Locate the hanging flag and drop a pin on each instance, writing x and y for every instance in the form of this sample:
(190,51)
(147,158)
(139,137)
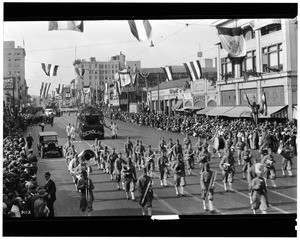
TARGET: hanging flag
(141,29)
(264,107)
(80,72)
(58,89)
(86,89)
(124,76)
(41,90)
(134,75)
(233,41)
(193,69)
(66,25)
(50,69)
(44,91)
(168,72)
(118,87)
(48,90)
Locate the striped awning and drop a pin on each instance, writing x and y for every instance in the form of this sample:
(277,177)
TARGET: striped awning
(277,112)
(203,111)
(219,111)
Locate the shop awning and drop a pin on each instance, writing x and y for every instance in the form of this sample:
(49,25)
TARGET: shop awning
(203,111)
(219,111)
(276,112)
(239,111)
(178,105)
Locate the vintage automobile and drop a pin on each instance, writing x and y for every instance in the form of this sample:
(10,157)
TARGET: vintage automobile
(48,144)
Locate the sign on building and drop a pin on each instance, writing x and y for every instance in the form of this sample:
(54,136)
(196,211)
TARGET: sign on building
(8,83)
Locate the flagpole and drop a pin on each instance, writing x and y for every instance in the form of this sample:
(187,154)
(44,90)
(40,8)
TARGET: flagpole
(158,99)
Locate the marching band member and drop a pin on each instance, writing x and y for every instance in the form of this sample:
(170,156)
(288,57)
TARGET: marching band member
(240,145)
(198,146)
(189,157)
(111,162)
(270,172)
(203,158)
(178,168)
(128,146)
(163,164)
(287,153)
(246,160)
(118,165)
(259,190)
(86,186)
(169,148)
(72,133)
(207,187)
(135,147)
(114,130)
(68,131)
(103,159)
(144,186)
(140,150)
(129,176)
(72,165)
(162,143)
(150,165)
(227,167)
(177,149)
(187,141)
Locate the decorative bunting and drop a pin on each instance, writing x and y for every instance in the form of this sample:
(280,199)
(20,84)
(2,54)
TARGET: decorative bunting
(193,69)
(50,70)
(168,72)
(141,29)
(66,25)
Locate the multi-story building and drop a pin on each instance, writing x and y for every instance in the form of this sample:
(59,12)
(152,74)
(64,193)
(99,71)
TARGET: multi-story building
(271,46)
(97,73)
(15,84)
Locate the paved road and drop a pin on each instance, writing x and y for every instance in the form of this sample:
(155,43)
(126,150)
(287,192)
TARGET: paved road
(111,202)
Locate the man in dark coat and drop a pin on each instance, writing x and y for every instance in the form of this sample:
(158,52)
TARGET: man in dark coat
(32,158)
(144,187)
(51,193)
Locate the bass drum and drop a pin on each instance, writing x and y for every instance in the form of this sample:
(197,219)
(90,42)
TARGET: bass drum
(219,143)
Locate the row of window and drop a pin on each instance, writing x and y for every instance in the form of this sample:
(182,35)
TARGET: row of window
(9,60)
(101,66)
(15,72)
(272,60)
(103,72)
(250,34)
(15,53)
(96,77)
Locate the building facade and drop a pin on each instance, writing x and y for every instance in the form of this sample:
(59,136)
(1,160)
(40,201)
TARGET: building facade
(271,46)
(15,84)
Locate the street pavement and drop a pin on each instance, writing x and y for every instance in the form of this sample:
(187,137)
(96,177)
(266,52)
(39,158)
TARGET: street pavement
(112,202)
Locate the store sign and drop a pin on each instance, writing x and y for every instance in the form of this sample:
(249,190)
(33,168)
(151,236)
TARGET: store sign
(115,102)
(123,102)
(8,83)
(187,96)
(133,108)
(199,86)
(174,91)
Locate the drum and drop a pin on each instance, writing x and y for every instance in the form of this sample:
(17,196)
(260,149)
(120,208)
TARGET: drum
(219,143)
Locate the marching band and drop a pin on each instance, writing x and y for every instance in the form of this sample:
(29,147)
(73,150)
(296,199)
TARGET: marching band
(174,159)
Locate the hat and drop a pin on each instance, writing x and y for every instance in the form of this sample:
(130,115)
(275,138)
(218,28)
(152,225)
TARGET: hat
(42,193)
(47,174)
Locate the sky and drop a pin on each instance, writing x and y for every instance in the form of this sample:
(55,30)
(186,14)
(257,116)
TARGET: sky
(175,42)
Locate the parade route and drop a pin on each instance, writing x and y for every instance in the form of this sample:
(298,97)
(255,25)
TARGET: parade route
(112,202)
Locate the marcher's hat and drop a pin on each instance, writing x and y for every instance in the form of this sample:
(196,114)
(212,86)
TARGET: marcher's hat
(42,193)
(47,174)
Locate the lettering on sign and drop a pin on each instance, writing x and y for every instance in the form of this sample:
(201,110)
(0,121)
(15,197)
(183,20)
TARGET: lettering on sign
(8,83)
(173,91)
(91,132)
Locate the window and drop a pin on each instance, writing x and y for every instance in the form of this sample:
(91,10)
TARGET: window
(272,58)
(226,66)
(96,71)
(112,71)
(90,77)
(249,62)
(90,66)
(96,66)
(249,33)
(105,66)
(270,29)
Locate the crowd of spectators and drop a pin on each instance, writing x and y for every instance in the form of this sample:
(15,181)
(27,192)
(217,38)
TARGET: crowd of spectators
(207,127)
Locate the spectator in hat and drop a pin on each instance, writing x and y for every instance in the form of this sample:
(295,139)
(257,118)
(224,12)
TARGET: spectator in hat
(29,140)
(16,208)
(40,205)
(31,157)
(50,188)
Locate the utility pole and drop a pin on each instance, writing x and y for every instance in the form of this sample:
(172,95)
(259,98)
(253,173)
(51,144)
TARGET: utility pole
(128,98)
